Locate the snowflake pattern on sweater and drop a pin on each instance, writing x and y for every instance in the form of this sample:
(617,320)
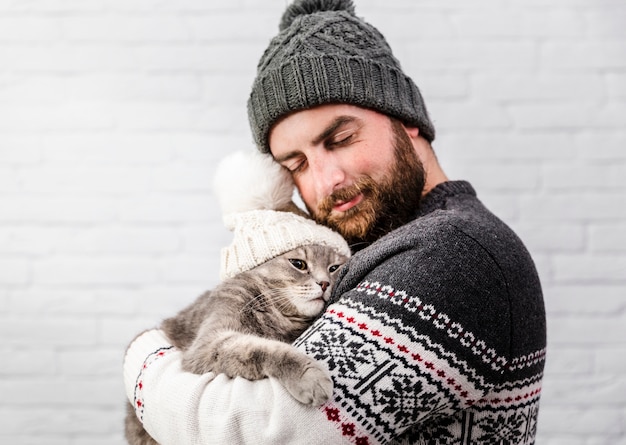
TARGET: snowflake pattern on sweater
(413,385)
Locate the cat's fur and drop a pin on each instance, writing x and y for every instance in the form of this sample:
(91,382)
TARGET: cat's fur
(244,326)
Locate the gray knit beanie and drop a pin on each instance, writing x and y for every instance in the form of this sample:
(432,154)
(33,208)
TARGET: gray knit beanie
(325,54)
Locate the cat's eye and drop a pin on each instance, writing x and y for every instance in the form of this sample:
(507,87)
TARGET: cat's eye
(333,268)
(298,264)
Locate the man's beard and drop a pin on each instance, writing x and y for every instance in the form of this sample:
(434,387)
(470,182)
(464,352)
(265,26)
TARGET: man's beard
(386,205)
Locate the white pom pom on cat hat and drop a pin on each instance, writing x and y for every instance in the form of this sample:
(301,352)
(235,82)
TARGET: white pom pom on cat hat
(250,187)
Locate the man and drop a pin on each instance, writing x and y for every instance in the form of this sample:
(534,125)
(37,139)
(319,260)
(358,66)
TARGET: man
(436,329)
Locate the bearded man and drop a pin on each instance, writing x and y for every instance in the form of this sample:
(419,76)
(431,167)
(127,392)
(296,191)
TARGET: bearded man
(435,333)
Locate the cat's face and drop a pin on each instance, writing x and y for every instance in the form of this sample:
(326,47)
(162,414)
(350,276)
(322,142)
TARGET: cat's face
(307,275)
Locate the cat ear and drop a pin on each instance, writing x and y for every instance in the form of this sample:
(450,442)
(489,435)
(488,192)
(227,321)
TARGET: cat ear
(249,180)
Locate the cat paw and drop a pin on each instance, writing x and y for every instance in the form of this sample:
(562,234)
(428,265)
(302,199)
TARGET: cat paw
(314,387)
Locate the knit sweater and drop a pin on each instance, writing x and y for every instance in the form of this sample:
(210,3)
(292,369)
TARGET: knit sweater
(435,334)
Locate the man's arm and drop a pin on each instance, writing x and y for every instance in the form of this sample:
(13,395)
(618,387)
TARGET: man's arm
(400,344)
(179,407)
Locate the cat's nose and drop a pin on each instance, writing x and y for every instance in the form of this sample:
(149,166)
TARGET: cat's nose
(324,285)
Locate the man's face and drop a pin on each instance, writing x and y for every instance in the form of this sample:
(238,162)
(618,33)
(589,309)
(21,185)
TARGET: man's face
(356,170)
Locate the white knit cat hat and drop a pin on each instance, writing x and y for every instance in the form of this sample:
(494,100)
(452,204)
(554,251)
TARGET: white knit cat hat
(250,188)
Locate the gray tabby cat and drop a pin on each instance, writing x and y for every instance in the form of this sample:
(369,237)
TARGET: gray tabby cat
(244,326)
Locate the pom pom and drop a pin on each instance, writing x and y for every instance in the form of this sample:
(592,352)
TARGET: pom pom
(249,180)
(305,7)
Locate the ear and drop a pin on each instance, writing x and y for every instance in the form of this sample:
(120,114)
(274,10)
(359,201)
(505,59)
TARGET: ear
(413,132)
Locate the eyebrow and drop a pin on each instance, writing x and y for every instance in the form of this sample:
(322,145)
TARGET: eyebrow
(334,125)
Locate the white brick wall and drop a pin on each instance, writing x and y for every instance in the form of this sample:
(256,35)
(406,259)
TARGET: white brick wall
(113,114)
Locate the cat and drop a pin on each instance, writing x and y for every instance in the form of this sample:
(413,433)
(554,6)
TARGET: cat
(244,326)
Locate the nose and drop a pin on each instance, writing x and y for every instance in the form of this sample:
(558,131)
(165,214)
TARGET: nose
(324,285)
(327,174)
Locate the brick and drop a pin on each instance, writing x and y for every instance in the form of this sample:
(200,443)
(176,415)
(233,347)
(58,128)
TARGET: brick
(241,57)
(90,362)
(480,25)
(475,55)
(71,302)
(607,23)
(86,116)
(56,6)
(70,180)
(552,116)
(609,359)
(566,420)
(56,209)
(181,6)
(102,439)
(500,176)
(616,85)
(586,268)
(14,272)
(613,115)
(543,88)
(208,147)
(122,87)
(572,4)
(167,209)
(440,85)
(603,145)
(44,332)
(501,145)
(398,26)
(552,22)
(29,29)
(573,207)
(66,58)
(69,421)
(108,148)
(126,29)
(8,180)
(569,361)
(607,391)
(551,237)
(584,177)
(26,239)
(34,90)
(20,149)
(607,238)
(152,304)
(191,269)
(583,55)
(215,27)
(119,332)
(27,362)
(226,89)
(469,116)
(206,239)
(589,300)
(190,178)
(89,271)
(584,330)
(124,240)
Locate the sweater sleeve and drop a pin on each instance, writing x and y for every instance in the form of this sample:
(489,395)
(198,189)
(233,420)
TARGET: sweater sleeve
(178,407)
(407,342)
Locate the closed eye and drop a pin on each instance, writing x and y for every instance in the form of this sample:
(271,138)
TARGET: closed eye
(298,264)
(295,165)
(341,139)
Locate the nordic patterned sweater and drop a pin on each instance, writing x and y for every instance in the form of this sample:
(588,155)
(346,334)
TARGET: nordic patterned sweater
(435,335)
